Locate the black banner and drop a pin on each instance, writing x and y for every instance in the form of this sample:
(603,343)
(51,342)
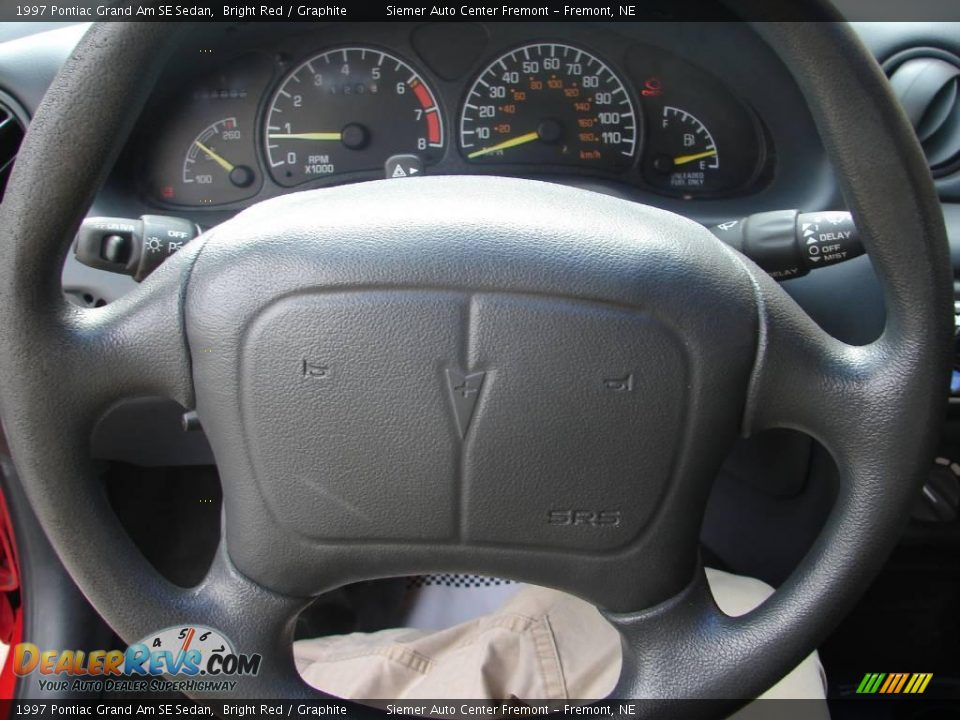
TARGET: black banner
(853,707)
(871,707)
(325,10)
(494,10)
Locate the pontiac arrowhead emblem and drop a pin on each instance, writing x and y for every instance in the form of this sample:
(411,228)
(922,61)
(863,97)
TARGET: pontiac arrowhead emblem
(464,392)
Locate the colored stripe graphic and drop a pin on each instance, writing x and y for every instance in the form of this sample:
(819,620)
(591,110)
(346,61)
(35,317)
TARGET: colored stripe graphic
(891,680)
(894,683)
(903,679)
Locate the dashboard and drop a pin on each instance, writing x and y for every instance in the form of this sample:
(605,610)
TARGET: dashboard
(697,118)
(404,99)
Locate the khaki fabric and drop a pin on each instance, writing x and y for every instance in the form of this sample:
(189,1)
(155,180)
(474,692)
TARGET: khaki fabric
(541,644)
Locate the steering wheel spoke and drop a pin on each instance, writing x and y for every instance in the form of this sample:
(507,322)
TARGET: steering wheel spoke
(133,347)
(806,380)
(685,629)
(257,621)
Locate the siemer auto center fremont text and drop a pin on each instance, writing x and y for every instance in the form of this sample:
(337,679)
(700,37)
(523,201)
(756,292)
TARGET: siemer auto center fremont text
(509,11)
(240,12)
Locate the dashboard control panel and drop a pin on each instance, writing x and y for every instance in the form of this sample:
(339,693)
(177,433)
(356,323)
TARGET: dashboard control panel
(316,110)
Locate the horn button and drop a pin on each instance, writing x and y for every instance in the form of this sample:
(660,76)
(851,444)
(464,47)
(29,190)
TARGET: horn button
(466,378)
(457,417)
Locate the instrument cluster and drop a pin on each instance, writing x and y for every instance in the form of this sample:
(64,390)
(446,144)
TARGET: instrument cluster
(448,99)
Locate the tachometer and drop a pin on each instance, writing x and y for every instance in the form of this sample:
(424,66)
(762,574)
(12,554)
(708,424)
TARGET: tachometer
(349,110)
(549,104)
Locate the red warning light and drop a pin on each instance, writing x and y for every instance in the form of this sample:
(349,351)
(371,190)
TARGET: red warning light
(167,192)
(652,87)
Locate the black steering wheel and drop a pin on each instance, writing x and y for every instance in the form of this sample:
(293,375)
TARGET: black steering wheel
(475,374)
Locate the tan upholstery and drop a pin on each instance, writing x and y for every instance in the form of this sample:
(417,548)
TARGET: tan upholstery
(541,644)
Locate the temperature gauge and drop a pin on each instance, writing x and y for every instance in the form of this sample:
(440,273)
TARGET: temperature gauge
(196,147)
(215,166)
(214,163)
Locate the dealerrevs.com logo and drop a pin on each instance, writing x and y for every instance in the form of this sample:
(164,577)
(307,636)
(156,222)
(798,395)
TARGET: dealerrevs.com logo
(200,658)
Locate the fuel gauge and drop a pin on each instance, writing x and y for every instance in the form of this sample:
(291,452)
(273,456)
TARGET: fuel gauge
(686,157)
(702,149)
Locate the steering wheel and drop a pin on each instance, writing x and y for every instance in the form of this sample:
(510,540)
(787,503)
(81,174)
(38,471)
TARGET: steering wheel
(475,374)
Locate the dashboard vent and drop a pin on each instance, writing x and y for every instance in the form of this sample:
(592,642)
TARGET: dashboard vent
(12,129)
(927,83)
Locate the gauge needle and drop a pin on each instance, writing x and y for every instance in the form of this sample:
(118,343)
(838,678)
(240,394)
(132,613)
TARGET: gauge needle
(222,162)
(306,136)
(684,159)
(512,142)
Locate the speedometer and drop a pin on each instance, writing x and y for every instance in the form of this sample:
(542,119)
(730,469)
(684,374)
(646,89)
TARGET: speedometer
(349,110)
(549,104)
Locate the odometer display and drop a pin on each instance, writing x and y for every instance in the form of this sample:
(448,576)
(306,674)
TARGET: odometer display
(349,110)
(549,104)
